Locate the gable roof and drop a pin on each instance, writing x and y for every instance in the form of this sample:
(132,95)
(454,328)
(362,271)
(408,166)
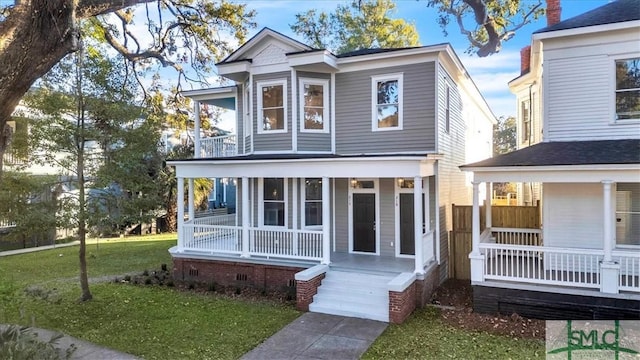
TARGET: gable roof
(234,56)
(595,152)
(613,12)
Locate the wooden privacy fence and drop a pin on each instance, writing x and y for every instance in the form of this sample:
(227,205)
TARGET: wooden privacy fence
(520,217)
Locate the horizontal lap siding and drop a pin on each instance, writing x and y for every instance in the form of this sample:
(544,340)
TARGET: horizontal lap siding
(240,119)
(387,218)
(354,106)
(313,141)
(342,215)
(573,215)
(579,87)
(265,141)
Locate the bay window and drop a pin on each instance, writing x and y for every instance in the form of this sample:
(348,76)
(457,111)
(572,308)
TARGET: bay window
(272,106)
(314,99)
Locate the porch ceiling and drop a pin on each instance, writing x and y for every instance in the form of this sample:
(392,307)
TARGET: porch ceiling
(310,166)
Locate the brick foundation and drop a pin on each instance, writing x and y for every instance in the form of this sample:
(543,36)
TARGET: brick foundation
(426,287)
(305,290)
(231,273)
(402,304)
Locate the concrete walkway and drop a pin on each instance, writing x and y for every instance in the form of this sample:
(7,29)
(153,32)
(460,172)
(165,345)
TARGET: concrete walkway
(84,350)
(320,336)
(37,248)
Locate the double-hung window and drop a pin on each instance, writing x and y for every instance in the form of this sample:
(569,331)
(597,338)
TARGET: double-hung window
(525,112)
(314,100)
(386,93)
(274,202)
(628,89)
(272,106)
(312,202)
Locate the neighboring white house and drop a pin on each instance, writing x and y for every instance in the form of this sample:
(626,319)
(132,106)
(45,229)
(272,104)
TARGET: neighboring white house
(585,262)
(346,169)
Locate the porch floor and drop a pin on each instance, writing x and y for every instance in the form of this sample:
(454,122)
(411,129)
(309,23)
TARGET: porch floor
(371,263)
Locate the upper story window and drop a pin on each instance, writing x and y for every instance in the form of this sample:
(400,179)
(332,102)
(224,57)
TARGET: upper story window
(272,106)
(628,89)
(525,112)
(387,102)
(314,105)
(274,196)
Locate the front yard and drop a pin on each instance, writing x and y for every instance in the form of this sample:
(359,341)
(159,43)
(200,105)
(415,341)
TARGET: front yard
(40,289)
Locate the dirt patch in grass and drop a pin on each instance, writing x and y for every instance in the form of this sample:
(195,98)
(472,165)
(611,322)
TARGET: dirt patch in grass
(455,298)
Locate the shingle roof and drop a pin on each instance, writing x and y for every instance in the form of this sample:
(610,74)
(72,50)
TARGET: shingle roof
(372,51)
(613,12)
(597,152)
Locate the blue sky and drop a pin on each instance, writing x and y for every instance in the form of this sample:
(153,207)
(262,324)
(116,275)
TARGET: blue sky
(491,74)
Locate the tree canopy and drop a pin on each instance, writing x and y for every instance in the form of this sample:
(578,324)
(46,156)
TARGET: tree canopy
(359,25)
(187,35)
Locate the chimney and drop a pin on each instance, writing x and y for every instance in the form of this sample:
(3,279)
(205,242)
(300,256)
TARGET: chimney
(554,12)
(525,59)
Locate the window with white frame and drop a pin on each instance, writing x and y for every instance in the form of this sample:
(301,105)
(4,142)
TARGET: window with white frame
(628,89)
(312,202)
(274,202)
(272,106)
(314,105)
(525,112)
(627,214)
(387,102)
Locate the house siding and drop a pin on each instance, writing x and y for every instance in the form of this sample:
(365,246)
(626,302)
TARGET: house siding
(342,214)
(452,183)
(271,142)
(320,142)
(387,210)
(573,214)
(579,85)
(353,112)
(240,143)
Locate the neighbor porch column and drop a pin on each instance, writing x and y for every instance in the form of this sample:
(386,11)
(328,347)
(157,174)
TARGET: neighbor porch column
(196,130)
(475,257)
(326,222)
(609,270)
(192,205)
(180,215)
(487,206)
(417,224)
(245,217)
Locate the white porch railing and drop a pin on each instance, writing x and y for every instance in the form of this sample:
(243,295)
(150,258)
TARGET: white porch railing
(226,220)
(286,243)
(629,269)
(219,146)
(427,246)
(5,224)
(511,236)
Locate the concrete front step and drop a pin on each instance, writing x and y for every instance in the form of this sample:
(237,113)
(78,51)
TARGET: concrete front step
(353,294)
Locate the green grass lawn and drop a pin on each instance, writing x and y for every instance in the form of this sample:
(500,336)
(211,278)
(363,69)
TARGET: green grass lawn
(152,322)
(425,336)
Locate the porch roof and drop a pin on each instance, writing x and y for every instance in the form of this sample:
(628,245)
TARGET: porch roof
(567,161)
(309,165)
(596,152)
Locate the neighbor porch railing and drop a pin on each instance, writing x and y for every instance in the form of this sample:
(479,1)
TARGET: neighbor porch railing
(518,255)
(219,146)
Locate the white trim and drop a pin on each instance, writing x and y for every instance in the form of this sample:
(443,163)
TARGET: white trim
(294,112)
(325,104)
(303,199)
(374,100)
(261,204)
(587,30)
(561,175)
(614,89)
(436,209)
(376,192)
(397,191)
(333,114)
(265,32)
(333,211)
(294,203)
(260,124)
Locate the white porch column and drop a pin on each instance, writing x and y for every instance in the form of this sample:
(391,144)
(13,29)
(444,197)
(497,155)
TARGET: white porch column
(245,217)
(326,222)
(196,130)
(476,258)
(429,251)
(180,200)
(417,224)
(192,205)
(609,270)
(487,206)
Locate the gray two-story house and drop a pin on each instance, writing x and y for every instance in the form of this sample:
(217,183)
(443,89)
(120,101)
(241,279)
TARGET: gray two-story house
(346,167)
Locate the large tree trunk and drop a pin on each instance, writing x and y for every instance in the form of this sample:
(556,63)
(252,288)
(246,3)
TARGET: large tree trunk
(33,38)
